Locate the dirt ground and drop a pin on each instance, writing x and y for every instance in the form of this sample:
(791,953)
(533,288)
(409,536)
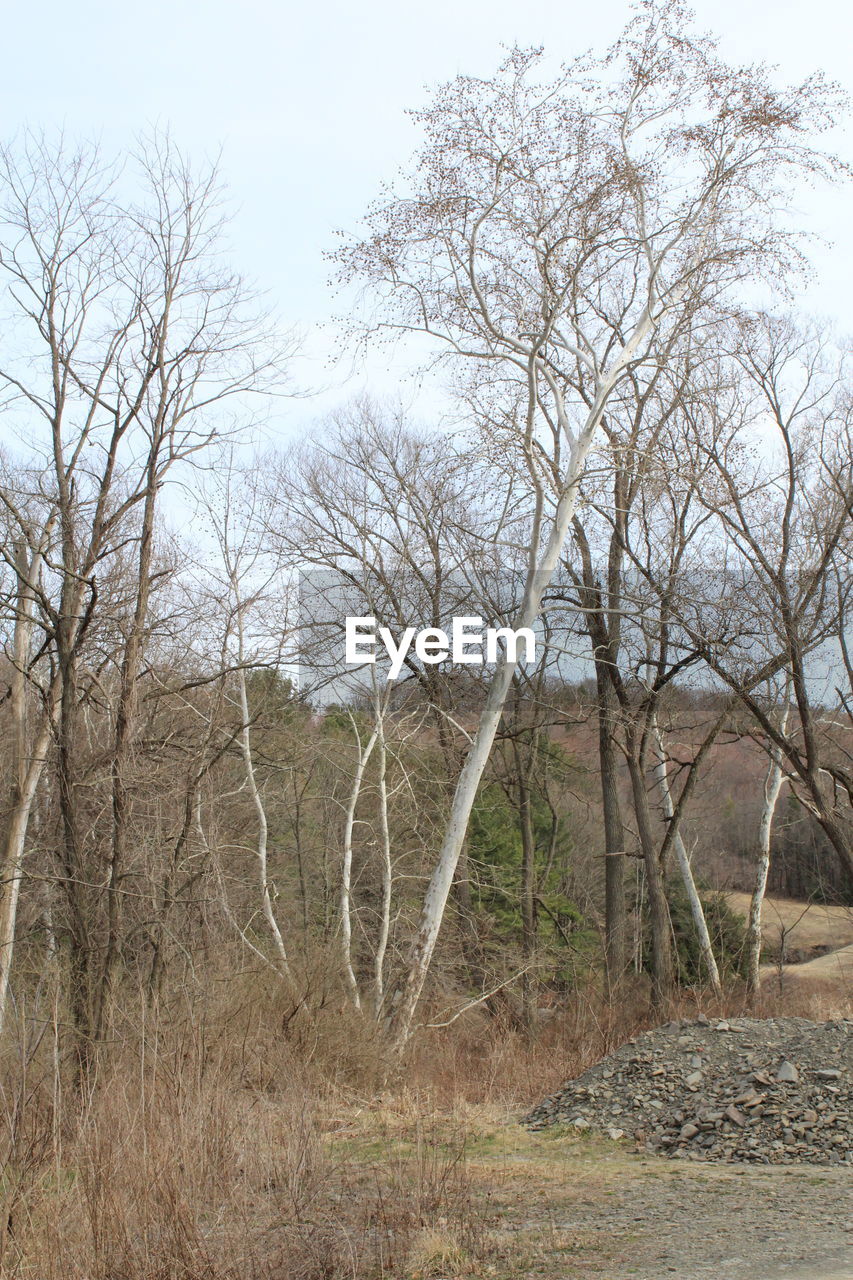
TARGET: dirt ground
(624,1216)
(565,1207)
(558,1205)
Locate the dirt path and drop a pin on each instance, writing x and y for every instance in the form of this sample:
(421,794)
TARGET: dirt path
(557,1205)
(582,1209)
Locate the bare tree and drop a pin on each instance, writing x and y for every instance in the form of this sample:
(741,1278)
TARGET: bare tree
(786,520)
(697,911)
(30,746)
(652,540)
(245,591)
(380,518)
(129,333)
(773,782)
(553,238)
(636,452)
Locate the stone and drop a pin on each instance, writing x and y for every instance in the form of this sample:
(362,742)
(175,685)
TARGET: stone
(752,1096)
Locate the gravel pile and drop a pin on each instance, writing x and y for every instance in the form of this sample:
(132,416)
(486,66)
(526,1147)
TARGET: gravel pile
(773,1091)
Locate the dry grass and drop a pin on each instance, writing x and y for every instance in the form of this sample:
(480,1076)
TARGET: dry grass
(248,1140)
(821,989)
(211,1151)
(816,944)
(807,927)
(484,1060)
(435,1251)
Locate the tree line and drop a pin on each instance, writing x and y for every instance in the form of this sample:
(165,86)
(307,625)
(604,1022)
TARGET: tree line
(648,469)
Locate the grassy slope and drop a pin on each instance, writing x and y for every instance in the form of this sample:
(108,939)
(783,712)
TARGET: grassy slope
(807,926)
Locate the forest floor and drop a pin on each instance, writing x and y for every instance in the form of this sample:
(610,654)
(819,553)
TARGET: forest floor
(220,1151)
(494,1200)
(561,1206)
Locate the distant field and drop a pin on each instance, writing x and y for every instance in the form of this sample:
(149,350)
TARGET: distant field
(827,983)
(818,944)
(836,966)
(812,928)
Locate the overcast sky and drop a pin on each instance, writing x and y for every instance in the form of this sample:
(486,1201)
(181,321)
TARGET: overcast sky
(308,103)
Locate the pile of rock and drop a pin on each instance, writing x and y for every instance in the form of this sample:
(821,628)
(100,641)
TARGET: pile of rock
(774,1091)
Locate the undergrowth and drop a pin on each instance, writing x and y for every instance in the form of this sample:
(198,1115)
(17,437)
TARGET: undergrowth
(238,1140)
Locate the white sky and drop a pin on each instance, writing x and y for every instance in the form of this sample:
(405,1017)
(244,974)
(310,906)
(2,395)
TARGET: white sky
(308,101)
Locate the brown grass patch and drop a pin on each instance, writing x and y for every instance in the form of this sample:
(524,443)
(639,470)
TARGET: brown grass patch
(807,927)
(248,1141)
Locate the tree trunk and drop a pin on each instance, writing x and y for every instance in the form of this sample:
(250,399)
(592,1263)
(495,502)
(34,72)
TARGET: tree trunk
(696,909)
(469,940)
(435,900)
(772,788)
(662,973)
(615,913)
(528,897)
(387,882)
(260,812)
(125,714)
(28,763)
(345,896)
(80,922)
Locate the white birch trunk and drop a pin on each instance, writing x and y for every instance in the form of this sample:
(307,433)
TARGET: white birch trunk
(385,853)
(257,801)
(696,910)
(29,763)
(13,858)
(772,788)
(223,894)
(435,900)
(345,899)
